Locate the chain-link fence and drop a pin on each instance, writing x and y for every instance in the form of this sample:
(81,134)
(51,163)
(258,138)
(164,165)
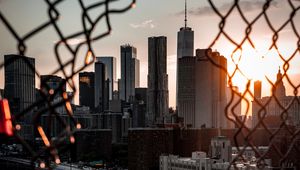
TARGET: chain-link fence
(283,137)
(277,115)
(48,95)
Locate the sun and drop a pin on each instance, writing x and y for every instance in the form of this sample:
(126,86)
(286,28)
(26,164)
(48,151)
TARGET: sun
(252,64)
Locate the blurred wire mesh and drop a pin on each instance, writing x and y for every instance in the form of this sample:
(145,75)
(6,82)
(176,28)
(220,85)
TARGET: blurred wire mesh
(283,138)
(48,95)
(286,134)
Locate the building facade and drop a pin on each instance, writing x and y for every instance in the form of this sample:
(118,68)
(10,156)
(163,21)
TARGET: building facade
(221,148)
(87,89)
(19,86)
(185,42)
(102,89)
(186,90)
(19,90)
(130,72)
(53,82)
(110,63)
(271,115)
(210,85)
(185,39)
(57,85)
(157,94)
(198,161)
(139,108)
(185,48)
(201,90)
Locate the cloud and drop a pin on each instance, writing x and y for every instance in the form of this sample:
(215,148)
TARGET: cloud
(246,6)
(144,24)
(74,41)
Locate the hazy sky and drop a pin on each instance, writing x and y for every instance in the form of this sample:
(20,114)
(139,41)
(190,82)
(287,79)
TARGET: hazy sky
(153,18)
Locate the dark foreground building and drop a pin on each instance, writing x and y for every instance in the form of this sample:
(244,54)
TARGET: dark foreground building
(87,89)
(145,145)
(92,145)
(157,93)
(19,82)
(20,89)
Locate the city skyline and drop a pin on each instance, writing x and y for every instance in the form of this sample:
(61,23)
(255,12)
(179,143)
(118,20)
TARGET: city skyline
(170,84)
(200,19)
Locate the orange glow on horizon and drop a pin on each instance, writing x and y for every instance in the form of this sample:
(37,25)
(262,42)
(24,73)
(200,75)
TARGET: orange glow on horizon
(259,63)
(253,64)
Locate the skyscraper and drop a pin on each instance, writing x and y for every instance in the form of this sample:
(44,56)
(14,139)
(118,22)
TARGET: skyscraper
(185,40)
(186,89)
(280,89)
(19,82)
(87,89)
(185,48)
(157,94)
(102,84)
(202,90)
(110,63)
(130,72)
(210,85)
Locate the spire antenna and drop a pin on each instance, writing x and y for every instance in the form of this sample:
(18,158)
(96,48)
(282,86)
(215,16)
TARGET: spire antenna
(185,16)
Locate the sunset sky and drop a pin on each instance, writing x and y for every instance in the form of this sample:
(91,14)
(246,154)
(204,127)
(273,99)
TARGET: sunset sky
(154,18)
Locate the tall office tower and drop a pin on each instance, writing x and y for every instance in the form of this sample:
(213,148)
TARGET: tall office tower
(130,72)
(257,89)
(157,94)
(87,89)
(185,48)
(102,85)
(19,83)
(210,85)
(110,63)
(185,40)
(186,90)
(19,89)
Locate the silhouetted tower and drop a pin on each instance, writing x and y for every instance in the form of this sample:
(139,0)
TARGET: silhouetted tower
(157,94)
(185,48)
(102,84)
(210,90)
(111,73)
(87,89)
(19,86)
(130,72)
(280,89)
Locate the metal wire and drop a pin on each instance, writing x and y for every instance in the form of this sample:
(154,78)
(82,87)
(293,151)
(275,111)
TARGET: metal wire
(290,134)
(47,97)
(284,132)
